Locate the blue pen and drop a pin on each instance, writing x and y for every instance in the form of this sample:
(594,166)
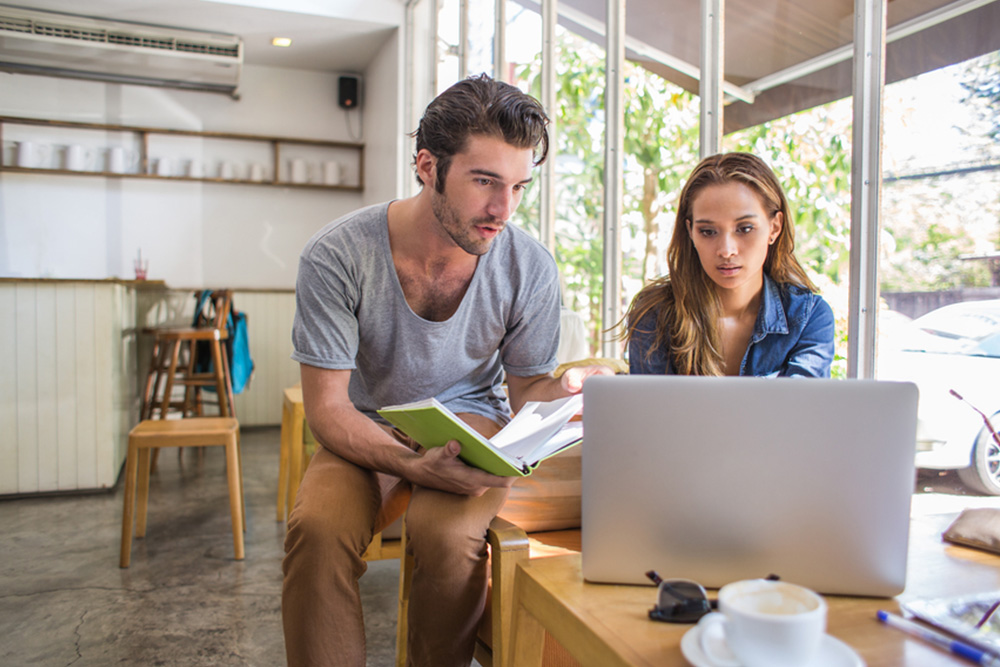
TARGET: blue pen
(943,641)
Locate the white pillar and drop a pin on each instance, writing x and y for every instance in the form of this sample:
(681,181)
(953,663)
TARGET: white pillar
(866,183)
(710,83)
(614,148)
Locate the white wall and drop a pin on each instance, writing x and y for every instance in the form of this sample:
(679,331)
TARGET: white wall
(193,234)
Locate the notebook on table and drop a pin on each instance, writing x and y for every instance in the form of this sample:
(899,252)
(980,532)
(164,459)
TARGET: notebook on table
(721,479)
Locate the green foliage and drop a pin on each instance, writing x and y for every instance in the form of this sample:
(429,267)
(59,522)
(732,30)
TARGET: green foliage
(810,151)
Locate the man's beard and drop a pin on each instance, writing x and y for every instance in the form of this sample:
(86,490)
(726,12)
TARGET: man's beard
(463,234)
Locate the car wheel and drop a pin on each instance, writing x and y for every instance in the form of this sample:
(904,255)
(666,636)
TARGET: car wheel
(984,473)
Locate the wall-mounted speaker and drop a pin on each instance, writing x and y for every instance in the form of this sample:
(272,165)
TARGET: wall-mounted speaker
(347,92)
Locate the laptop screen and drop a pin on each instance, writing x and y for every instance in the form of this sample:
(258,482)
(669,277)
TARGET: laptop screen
(721,479)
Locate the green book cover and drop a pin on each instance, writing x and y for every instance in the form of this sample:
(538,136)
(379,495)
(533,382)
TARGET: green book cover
(538,428)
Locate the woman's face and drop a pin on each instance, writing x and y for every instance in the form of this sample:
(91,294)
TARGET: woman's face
(731,232)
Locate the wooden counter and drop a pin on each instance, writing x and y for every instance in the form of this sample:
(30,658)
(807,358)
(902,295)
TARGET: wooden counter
(73,358)
(67,382)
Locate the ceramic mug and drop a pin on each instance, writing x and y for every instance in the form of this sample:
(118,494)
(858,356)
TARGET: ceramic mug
(765,624)
(195,169)
(76,157)
(163,167)
(116,160)
(227,170)
(298,171)
(31,155)
(257,172)
(331,173)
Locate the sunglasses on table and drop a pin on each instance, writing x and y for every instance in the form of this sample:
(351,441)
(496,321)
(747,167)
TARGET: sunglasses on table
(681,600)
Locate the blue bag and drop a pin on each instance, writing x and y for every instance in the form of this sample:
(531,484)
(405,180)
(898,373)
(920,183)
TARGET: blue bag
(237,347)
(240,363)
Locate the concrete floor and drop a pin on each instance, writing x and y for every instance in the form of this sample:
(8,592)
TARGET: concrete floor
(184,600)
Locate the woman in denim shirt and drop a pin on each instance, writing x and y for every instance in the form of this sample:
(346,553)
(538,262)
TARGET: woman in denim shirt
(736,302)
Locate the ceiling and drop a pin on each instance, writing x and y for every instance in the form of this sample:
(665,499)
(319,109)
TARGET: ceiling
(797,41)
(319,42)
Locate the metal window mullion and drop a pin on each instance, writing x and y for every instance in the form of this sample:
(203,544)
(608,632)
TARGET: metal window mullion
(866,184)
(614,146)
(463,39)
(710,84)
(500,41)
(433,33)
(547,199)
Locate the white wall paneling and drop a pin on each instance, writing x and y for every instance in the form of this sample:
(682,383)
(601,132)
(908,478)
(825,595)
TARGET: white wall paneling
(66,384)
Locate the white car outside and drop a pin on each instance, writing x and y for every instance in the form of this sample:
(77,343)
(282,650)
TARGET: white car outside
(952,349)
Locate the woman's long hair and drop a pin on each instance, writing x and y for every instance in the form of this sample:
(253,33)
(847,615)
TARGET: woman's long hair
(686,302)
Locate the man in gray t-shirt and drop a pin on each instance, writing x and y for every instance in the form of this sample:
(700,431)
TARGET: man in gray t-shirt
(435,295)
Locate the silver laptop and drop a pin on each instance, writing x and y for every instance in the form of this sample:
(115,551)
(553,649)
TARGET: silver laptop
(721,479)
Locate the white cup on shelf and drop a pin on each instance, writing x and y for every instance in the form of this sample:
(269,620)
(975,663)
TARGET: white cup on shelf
(31,155)
(331,173)
(77,158)
(195,169)
(164,167)
(121,160)
(256,172)
(116,160)
(227,170)
(298,170)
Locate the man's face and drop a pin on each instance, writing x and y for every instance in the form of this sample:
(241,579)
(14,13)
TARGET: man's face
(482,189)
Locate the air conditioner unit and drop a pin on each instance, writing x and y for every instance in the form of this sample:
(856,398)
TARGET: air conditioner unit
(54,44)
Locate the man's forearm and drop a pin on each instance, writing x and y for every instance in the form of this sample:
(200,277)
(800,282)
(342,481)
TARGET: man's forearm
(353,436)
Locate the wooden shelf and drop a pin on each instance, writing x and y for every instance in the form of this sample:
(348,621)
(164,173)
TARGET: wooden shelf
(278,148)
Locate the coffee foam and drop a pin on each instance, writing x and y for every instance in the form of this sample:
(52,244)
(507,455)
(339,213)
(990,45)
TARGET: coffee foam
(773,599)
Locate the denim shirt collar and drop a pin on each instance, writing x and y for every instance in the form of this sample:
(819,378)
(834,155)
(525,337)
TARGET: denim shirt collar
(771,317)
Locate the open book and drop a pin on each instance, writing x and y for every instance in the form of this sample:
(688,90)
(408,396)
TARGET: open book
(537,431)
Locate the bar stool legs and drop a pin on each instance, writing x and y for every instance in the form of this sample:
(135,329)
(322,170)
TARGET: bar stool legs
(197,432)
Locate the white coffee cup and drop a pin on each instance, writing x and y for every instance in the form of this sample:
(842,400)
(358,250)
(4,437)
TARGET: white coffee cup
(297,168)
(331,173)
(77,157)
(195,169)
(227,170)
(765,624)
(163,167)
(116,160)
(31,155)
(256,172)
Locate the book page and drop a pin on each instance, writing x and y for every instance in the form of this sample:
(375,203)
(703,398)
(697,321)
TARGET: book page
(531,453)
(536,422)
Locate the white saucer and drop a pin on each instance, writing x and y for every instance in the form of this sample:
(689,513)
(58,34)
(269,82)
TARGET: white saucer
(832,653)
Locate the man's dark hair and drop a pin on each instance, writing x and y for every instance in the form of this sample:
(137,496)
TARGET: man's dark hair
(480,105)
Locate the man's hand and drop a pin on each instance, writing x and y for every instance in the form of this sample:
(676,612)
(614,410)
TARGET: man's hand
(572,380)
(440,468)
(548,388)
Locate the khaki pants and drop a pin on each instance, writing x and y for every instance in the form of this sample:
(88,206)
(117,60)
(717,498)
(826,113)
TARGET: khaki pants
(339,507)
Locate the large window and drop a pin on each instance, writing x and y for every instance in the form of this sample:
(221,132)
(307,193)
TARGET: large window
(789,98)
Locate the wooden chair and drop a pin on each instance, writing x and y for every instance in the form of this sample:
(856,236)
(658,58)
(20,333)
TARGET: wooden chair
(509,545)
(297,446)
(198,432)
(177,354)
(293,456)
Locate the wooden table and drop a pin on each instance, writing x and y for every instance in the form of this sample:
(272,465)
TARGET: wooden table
(607,626)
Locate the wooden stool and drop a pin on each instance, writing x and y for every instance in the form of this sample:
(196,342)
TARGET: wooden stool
(175,359)
(196,432)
